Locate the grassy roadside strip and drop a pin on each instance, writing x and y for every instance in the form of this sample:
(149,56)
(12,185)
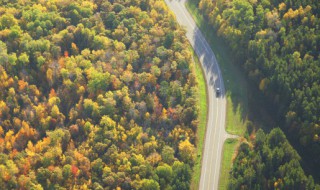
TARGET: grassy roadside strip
(202,121)
(228,151)
(236,92)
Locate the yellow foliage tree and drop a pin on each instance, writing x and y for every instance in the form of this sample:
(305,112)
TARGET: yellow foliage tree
(186,150)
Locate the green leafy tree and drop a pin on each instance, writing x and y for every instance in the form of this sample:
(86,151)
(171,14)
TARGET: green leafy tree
(149,184)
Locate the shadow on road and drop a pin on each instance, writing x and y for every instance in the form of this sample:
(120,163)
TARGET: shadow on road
(204,52)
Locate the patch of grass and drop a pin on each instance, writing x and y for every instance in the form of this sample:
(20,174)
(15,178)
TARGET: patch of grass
(229,148)
(203,122)
(234,122)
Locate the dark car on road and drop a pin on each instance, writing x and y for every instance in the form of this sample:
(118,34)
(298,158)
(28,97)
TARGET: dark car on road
(218,92)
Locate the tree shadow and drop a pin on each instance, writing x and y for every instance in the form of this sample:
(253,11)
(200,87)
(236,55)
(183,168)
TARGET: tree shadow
(208,61)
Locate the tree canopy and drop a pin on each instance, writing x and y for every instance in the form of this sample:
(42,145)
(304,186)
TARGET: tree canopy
(277,43)
(268,162)
(95,95)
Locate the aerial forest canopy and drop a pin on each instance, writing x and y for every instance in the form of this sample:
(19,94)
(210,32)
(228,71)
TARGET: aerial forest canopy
(278,43)
(269,162)
(95,95)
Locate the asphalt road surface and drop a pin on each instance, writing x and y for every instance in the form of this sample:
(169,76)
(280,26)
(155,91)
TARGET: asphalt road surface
(215,132)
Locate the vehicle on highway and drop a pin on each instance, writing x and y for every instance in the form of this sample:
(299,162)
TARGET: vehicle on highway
(218,92)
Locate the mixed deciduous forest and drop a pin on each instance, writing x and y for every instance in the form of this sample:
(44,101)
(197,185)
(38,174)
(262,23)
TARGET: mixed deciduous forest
(95,95)
(278,43)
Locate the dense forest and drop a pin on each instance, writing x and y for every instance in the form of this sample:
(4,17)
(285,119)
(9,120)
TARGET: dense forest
(95,95)
(277,43)
(268,162)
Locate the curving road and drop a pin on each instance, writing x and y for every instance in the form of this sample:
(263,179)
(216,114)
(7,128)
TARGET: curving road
(215,132)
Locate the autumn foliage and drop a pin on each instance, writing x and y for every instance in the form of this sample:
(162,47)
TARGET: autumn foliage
(95,95)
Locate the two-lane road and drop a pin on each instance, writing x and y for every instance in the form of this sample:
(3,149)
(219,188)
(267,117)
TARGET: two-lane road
(215,132)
